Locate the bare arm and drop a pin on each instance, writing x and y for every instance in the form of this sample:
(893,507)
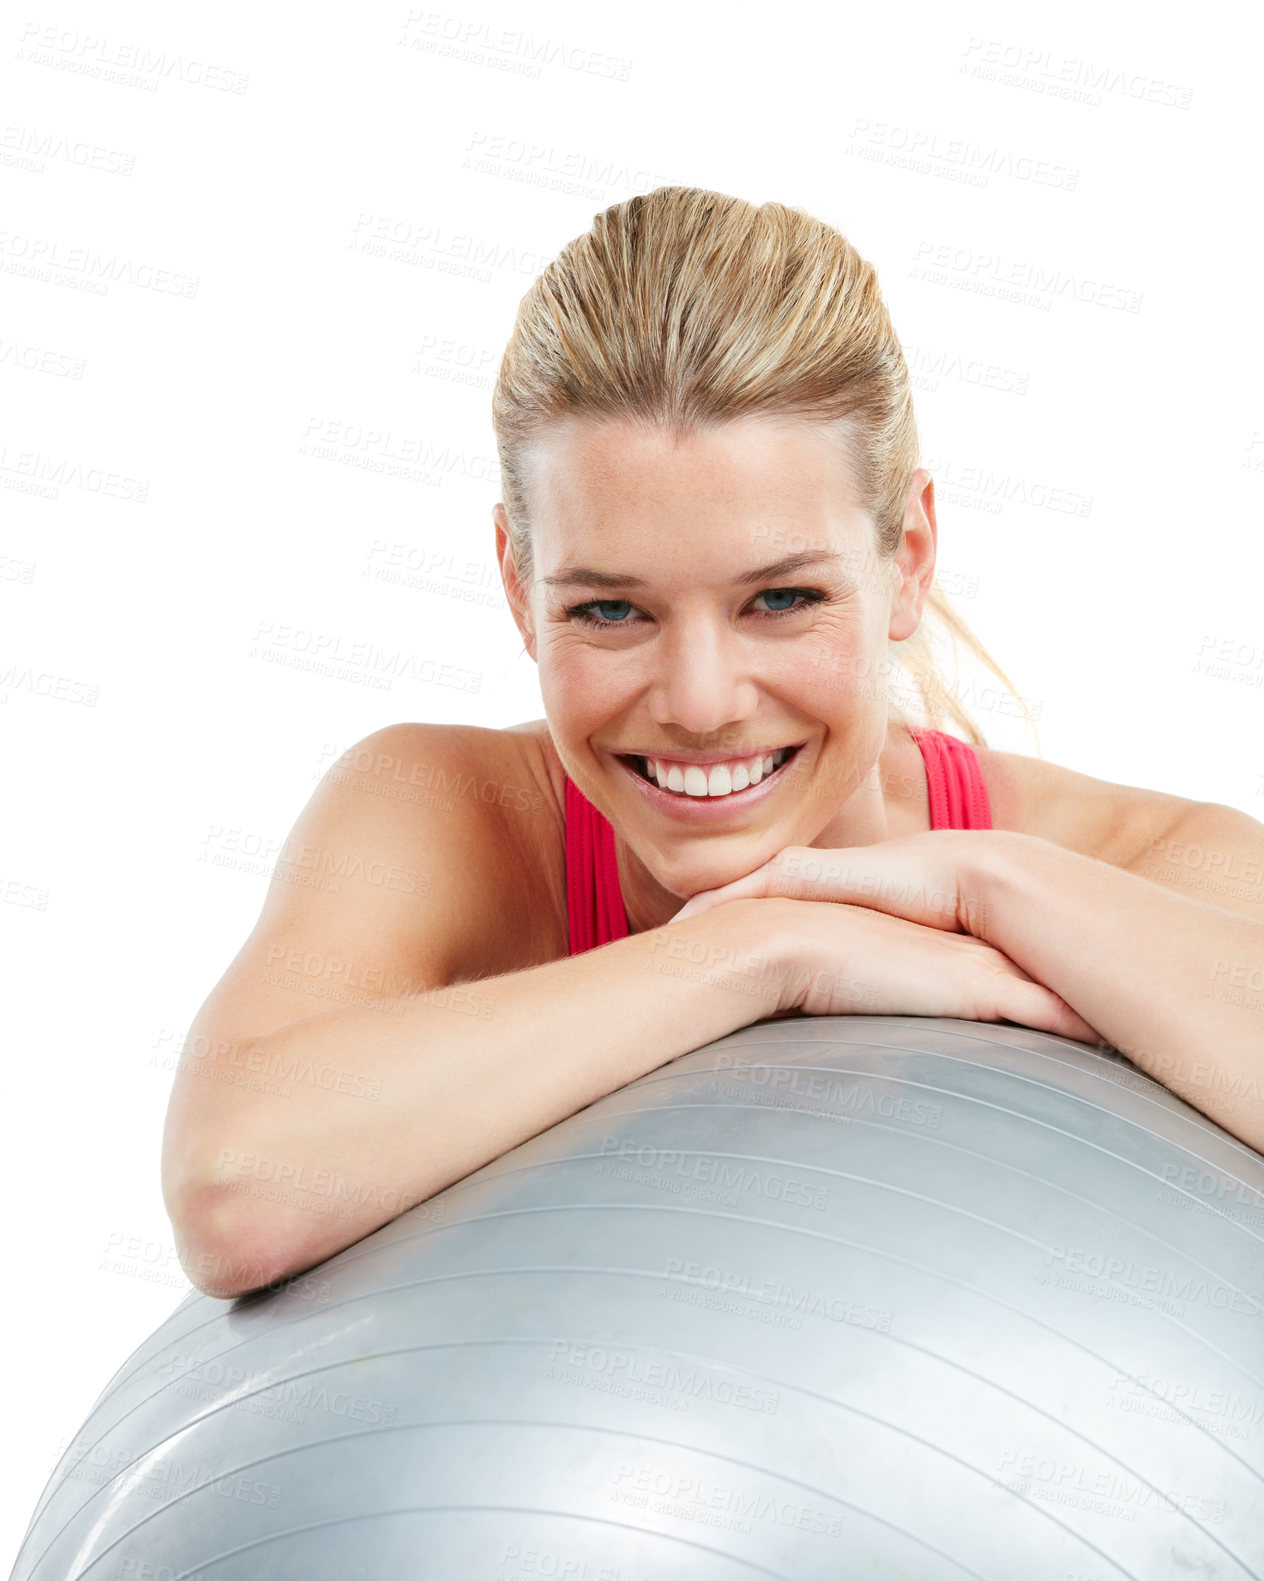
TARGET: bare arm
(1166,976)
(360,1113)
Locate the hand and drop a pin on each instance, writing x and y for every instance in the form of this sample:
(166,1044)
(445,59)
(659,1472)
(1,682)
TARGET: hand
(841,959)
(930,878)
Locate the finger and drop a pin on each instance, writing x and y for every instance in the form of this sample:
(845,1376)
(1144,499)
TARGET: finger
(1072,1025)
(758,885)
(1065,1021)
(1049,1012)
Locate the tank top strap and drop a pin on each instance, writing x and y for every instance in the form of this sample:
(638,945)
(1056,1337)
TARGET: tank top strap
(954,782)
(594,901)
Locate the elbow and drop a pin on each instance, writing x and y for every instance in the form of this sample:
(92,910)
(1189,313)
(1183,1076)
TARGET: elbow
(224,1251)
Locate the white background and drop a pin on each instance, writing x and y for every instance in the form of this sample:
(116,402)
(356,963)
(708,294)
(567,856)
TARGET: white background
(170,554)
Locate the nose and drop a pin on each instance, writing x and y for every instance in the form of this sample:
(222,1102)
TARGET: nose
(702,682)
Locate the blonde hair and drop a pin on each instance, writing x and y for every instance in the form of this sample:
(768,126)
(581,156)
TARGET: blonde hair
(684,308)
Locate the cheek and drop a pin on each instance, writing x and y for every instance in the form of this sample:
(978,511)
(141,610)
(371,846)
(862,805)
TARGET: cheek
(578,681)
(841,671)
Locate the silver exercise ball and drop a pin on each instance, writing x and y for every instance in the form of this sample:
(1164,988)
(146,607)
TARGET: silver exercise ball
(881,1296)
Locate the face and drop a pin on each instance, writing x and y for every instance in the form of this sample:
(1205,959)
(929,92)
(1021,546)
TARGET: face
(716,597)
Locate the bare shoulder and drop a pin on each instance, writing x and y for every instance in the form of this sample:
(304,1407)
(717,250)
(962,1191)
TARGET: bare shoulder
(420,860)
(499,790)
(1098,818)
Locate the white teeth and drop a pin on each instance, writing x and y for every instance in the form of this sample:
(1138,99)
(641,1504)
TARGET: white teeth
(691,779)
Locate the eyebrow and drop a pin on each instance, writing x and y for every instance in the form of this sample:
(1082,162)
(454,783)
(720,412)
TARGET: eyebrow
(580,575)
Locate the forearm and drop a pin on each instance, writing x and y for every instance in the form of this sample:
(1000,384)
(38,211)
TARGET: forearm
(1149,968)
(430,1088)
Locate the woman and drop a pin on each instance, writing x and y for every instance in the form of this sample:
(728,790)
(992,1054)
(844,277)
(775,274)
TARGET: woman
(715,534)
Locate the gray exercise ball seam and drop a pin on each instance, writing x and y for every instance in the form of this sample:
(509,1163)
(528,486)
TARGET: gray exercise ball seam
(985,1296)
(587,1427)
(969,1098)
(1164,1100)
(440,1509)
(425,1229)
(1141,1093)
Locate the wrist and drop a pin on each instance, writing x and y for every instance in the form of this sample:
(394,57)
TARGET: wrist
(989,874)
(764,933)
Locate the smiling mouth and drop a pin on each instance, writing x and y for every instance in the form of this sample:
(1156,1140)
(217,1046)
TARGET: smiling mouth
(640,766)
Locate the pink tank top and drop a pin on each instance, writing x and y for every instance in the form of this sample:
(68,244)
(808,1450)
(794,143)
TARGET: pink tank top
(594,901)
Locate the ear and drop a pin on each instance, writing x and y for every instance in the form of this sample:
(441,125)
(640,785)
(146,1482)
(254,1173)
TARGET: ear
(914,561)
(515,592)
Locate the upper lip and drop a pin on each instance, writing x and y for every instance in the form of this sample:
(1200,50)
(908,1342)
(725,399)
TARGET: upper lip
(707,758)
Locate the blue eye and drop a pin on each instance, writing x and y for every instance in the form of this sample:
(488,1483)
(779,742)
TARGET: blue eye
(779,592)
(582,612)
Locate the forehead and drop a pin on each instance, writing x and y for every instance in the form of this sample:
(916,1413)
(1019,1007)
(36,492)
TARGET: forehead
(620,487)
(575,457)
